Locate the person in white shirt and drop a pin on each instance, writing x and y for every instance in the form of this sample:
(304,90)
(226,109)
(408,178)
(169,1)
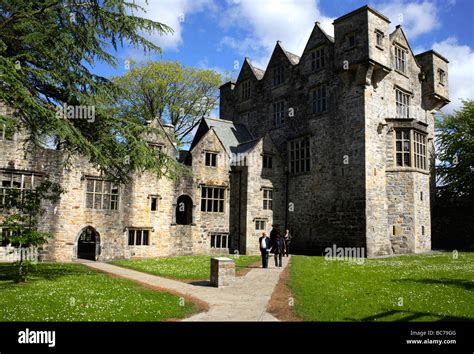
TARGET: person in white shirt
(265,246)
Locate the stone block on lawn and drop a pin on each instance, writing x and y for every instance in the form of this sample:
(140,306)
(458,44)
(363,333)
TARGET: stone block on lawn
(222,271)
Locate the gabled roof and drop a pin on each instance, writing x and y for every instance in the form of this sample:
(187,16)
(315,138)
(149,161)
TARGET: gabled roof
(317,28)
(258,73)
(155,123)
(330,38)
(229,133)
(399,29)
(292,58)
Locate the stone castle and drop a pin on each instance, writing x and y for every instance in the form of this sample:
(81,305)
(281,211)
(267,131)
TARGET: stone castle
(336,145)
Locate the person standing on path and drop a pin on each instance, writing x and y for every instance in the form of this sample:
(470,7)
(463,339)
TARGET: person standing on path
(279,249)
(273,234)
(265,246)
(288,238)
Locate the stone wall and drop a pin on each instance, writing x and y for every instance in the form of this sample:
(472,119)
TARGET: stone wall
(66,220)
(354,194)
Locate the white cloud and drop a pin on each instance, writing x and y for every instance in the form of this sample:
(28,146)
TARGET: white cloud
(203,63)
(416,18)
(266,21)
(172,13)
(460,72)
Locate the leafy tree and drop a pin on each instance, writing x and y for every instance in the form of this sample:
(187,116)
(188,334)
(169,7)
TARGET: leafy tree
(171,92)
(455,144)
(24,210)
(46,50)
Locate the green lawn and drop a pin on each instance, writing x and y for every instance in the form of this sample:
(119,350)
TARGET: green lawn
(184,267)
(406,288)
(72,292)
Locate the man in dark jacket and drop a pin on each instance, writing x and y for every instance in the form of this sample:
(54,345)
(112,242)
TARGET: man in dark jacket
(279,250)
(265,246)
(273,234)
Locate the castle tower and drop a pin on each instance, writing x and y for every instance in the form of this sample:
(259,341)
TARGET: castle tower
(358,146)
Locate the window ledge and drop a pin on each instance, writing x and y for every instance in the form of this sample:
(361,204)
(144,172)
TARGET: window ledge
(407,169)
(379,47)
(401,73)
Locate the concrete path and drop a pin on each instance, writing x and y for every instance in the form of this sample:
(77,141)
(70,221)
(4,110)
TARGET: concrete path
(245,300)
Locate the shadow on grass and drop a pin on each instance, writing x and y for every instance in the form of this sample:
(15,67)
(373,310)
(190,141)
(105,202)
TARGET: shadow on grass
(41,271)
(408,316)
(459,283)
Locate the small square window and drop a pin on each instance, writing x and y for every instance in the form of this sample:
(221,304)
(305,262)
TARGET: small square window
(267,161)
(211,159)
(260,225)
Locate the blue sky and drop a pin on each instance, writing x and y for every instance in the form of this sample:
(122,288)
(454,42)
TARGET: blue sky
(218,34)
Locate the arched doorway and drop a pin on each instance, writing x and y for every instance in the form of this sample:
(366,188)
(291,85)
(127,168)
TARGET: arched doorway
(88,244)
(184,210)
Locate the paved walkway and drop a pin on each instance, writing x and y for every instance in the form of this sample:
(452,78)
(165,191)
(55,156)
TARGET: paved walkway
(245,300)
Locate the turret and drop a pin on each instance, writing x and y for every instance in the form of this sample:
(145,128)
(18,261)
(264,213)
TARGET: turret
(226,105)
(361,42)
(434,85)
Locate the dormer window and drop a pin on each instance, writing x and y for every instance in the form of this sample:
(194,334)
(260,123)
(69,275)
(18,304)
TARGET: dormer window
(211,159)
(441,76)
(318,58)
(246,90)
(278,76)
(400,59)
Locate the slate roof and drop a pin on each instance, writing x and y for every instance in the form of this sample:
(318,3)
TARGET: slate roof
(229,133)
(330,38)
(293,58)
(246,146)
(257,72)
